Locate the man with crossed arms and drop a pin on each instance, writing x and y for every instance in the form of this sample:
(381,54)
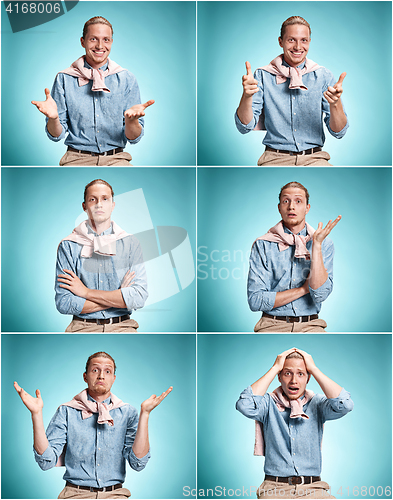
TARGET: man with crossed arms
(93,434)
(101,277)
(293,93)
(96,102)
(289,425)
(291,268)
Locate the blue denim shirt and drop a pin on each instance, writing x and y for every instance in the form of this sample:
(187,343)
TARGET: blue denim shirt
(293,445)
(293,118)
(102,272)
(272,271)
(95,121)
(96,454)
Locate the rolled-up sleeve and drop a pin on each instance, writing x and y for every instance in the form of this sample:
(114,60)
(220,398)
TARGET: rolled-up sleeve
(66,301)
(132,98)
(136,463)
(59,96)
(257,105)
(322,293)
(333,408)
(56,434)
(260,296)
(330,81)
(136,294)
(252,406)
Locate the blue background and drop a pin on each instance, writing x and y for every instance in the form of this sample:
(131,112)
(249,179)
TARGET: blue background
(153,40)
(238,205)
(356,450)
(346,36)
(145,365)
(39,208)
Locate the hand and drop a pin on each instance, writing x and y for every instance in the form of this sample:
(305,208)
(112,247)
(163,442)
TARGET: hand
(320,234)
(47,107)
(333,94)
(149,405)
(33,404)
(250,85)
(308,361)
(280,360)
(137,111)
(73,283)
(127,280)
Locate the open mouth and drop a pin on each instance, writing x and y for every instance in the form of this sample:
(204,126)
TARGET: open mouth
(293,391)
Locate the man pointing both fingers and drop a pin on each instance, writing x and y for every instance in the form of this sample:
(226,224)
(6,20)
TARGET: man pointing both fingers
(95,104)
(290,98)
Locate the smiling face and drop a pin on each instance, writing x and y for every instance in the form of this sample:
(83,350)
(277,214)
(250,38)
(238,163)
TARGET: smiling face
(293,208)
(97,44)
(295,43)
(294,378)
(99,206)
(99,377)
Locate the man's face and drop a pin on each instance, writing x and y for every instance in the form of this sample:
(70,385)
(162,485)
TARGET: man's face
(99,204)
(293,207)
(97,44)
(296,42)
(100,376)
(294,378)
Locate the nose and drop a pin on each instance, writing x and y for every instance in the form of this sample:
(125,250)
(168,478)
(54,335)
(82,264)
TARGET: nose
(101,374)
(291,205)
(298,45)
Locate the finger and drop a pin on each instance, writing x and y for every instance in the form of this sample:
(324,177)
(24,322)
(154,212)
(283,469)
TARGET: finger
(17,387)
(335,222)
(38,393)
(47,93)
(248,68)
(70,272)
(341,79)
(148,103)
(332,90)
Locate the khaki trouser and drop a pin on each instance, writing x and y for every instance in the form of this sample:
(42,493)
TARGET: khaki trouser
(271,489)
(80,159)
(70,492)
(317,159)
(127,326)
(276,325)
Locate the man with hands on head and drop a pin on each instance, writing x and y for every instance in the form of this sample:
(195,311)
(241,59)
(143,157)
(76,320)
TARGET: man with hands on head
(291,268)
(289,425)
(288,99)
(100,273)
(96,102)
(93,434)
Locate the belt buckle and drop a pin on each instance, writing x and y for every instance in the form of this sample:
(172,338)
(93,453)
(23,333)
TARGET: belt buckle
(293,477)
(105,153)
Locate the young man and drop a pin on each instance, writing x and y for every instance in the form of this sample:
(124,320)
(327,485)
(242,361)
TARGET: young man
(290,96)
(93,434)
(100,274)
(291,268)
(289,425)
(96,102)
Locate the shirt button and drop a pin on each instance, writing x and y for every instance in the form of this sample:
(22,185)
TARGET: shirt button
(99,433)
(99,448)
(293,113)
(98,131)
(101,281)
(293,98)
(295,130)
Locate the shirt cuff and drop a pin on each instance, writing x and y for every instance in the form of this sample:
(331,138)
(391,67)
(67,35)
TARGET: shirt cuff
(322,293)
(342,402)
(341,133)
(139,464)
(137,139)
(248,394)
(54,139)
(244,128)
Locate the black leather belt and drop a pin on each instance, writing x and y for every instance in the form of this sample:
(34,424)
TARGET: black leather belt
(109,321)
(106,153)
(292,319)
(295,153)
(90,488)
(293,479)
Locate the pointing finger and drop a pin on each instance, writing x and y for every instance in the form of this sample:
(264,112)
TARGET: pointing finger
(148,103)
(341,79)
(248,68)
(47,93)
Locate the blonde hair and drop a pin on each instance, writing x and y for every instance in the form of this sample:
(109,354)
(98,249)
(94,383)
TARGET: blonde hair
(291,21)
(294,184)
(95,20)
(100,354)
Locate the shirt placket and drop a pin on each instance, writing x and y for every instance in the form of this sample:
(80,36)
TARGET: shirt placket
(99,456)
(97,123)
(293,276)
(293,447)
(295,119)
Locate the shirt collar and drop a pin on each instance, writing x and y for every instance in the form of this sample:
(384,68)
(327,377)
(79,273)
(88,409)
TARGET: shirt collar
(303,232)
(106,232)
(284,63)
(107,400)
(103,68)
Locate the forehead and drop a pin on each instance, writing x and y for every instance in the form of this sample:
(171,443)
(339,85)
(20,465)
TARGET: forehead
(297,31)
(293,192)
(99,30)
(101,362)
(98,190)
(294,364)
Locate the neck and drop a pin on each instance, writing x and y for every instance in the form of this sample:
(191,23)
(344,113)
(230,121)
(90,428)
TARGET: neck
(93,64)
(289,63)
(296,229)
(98,397)
(100,227)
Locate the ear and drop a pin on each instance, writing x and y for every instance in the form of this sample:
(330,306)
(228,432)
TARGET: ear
(280,41)
(84,377)
(308,208)
(279,377)
(309,376)
(82,42)
(84,206)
